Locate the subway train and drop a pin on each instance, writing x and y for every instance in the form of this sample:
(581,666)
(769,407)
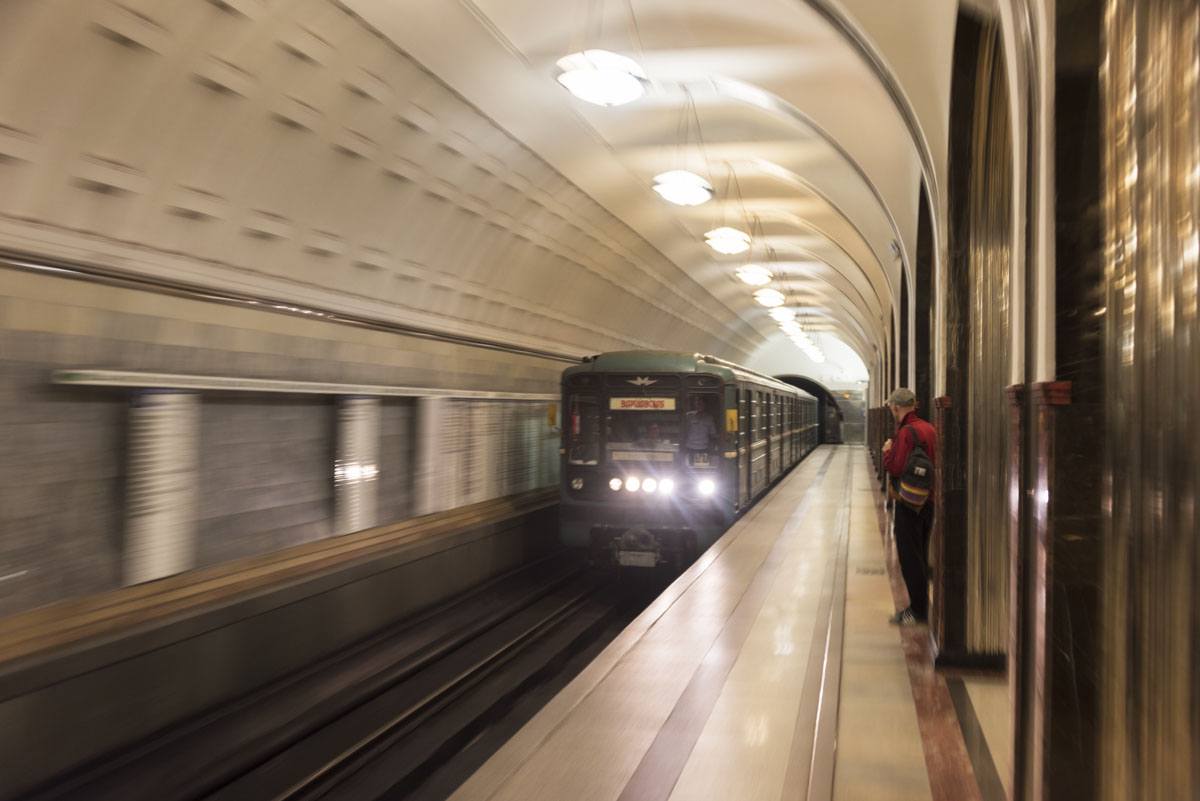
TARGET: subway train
(661,451)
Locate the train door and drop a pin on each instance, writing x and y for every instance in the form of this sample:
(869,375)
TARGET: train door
(743,446)
(758,461)
(772,433)
(777,438)
(792,404)
(789,428)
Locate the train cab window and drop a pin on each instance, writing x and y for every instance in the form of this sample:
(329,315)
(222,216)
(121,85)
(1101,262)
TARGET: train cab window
(583,431)
(644,430)
(702,435)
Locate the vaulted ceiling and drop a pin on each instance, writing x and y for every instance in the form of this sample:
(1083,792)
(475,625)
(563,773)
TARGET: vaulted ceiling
(828,148)
(417,161)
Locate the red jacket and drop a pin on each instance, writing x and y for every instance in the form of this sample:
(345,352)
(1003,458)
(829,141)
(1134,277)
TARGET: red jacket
(902,444)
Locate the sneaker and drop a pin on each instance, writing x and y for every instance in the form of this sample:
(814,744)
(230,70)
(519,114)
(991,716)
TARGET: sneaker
(906,617)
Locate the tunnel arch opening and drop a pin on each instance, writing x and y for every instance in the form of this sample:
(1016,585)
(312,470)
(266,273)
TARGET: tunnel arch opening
(830,414)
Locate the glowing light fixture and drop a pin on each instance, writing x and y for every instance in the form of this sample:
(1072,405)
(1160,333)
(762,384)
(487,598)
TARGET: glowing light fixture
(683,188)
(666,486)
(614,484)
(602,77)
(649,485)
(804,342)
(754,275)
(706,487)
(769,297)
(633,484)
(729,241)
(782,315)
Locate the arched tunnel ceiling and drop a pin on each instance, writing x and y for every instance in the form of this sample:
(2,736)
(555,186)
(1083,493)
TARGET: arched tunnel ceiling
(821,152)
(416,160)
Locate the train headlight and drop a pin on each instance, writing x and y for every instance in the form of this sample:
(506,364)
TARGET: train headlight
(577,483)
(649,485)
(632,484)
(614,484)
(706,487)
(666,486)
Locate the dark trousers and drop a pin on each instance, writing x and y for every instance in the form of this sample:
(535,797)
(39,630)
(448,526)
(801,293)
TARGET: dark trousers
(912,545)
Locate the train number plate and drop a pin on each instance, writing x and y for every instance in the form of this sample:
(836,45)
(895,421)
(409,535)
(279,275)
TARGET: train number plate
(637,558)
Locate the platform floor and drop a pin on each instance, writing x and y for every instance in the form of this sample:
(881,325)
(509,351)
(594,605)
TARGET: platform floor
(766,671)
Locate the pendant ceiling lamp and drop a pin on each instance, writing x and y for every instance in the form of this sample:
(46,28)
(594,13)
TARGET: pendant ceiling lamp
(683,188)
(754,275)
(729,241)
(804,342)
(769,297)
(602,77)
(757,274)
(726,239)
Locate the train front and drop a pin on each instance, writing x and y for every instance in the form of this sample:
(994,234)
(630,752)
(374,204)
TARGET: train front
(644,481)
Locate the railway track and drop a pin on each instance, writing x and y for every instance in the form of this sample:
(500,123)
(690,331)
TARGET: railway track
(406,713)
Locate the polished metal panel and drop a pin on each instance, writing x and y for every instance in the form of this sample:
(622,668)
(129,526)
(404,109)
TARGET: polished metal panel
(989,265)
(356,471)
(160,536)
(474,450)
(1150,681)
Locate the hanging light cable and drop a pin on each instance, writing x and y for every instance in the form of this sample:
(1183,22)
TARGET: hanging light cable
(725,239)
(682,186)
(754,273)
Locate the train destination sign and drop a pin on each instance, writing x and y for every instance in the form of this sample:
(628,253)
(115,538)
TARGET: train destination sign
(642,404)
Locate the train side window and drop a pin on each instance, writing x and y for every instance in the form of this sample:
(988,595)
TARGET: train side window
(753,401)
(583,430)
(743,412)
(758,416)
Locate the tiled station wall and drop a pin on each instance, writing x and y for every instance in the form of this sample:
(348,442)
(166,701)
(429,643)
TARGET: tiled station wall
(265,461)
(61,474)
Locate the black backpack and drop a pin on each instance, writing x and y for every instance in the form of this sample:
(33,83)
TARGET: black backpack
(916,481)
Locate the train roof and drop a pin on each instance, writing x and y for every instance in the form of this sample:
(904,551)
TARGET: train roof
(664,361)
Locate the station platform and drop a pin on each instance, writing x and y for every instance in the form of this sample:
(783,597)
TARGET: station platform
(768,670)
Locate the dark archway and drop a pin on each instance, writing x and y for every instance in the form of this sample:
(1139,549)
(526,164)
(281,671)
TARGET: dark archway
(829,412)
(923,319)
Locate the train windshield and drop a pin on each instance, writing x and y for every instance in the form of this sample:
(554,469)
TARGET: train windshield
(583,431)
(644,430)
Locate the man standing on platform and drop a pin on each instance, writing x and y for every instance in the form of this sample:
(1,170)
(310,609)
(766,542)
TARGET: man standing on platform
(910,482)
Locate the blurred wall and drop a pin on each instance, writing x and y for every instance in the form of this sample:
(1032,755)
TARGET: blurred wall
(265,471)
